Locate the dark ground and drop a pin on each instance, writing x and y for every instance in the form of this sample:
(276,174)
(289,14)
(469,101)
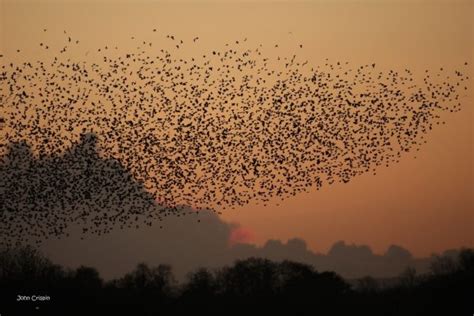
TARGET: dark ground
(246,287)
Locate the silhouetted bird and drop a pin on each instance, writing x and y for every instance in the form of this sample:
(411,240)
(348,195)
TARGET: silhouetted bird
(212,132)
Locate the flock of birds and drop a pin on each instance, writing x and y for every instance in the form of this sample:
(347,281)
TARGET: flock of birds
(132,137)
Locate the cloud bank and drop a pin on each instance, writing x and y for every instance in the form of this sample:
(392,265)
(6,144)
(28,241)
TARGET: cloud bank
(204,240)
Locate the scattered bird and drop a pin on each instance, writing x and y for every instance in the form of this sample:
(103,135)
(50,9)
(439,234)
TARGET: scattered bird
(131,137)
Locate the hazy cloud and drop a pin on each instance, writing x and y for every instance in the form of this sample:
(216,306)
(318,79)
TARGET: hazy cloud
(187,244)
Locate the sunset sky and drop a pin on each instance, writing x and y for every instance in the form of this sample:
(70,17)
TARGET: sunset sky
(425,203)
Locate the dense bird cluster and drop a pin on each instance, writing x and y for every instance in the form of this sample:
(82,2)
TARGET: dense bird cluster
(211,131)
(43,197)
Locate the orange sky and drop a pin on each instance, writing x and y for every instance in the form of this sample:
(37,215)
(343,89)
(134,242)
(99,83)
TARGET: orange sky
(424,204)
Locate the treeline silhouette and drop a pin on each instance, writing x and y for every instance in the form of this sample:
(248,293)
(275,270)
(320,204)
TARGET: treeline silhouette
(247,286)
